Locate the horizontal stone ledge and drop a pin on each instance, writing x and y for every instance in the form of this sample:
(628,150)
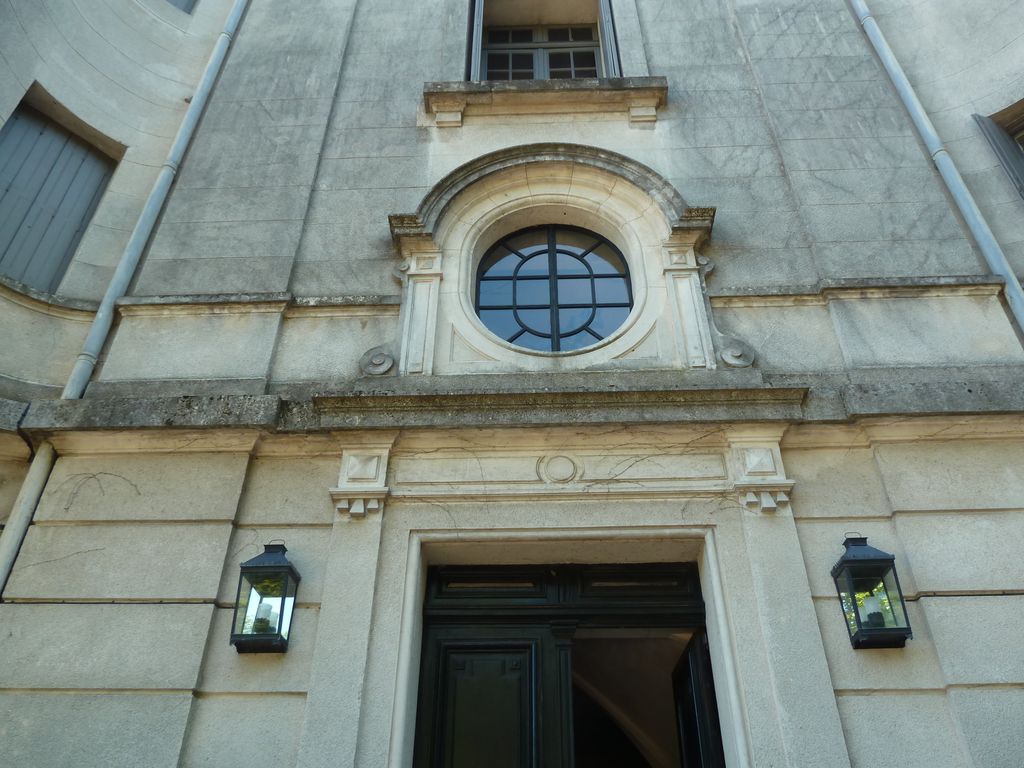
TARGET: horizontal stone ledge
(11,412)
(638,97)
(232,411)
(142,304)
(553,398)
(55,301)
(934,398)
(543,399)
(870,287)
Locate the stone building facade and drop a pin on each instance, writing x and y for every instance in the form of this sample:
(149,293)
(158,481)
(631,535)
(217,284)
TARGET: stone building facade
(816,341)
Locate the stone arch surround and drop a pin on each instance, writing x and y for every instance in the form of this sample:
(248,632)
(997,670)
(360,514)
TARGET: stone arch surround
(499,193)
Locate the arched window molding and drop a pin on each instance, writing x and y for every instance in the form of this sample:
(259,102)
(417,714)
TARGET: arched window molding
(670,325)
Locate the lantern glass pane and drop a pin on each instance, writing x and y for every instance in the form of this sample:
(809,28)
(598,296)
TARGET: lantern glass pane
(846,597)
(262,600)
(878,603)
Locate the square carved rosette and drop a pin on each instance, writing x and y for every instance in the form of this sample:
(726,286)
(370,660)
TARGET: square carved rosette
(362,481)
(760,478)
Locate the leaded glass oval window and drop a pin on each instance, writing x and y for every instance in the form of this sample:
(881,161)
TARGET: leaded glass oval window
(553,288)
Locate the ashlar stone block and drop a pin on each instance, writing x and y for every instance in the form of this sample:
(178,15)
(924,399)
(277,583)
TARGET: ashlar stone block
(111,562)
(914,667)
(144,487)
(60,730)
(835,482)
(925,331)
(292,490)
(102,646)
(907,730)
(989,720)
(226,670)
(978,637)
(963,552)
(953,475)
(244,730)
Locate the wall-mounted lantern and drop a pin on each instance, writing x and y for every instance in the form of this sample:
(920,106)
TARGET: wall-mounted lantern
(870,594)
(265,602)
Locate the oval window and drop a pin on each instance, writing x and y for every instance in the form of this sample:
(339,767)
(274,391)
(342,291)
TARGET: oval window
(553,289)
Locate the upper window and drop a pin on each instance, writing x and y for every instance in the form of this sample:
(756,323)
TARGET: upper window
(553,289)
(542,41)
(541,53)
(50,183)
(1005,133)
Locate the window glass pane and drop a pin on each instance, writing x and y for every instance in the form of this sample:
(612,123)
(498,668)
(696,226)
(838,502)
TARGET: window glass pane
(586,73)
(560,60)
(575,291)
(530,341)
(576,240)
(604,261)
(497,61)
(522,35)
(561,74)
(500,322)
(582,33)
(584,59)
(522,61)
(611,290)
(534,266)
(533,292)
(536,320)
(570,265)
(527,242)
(578,341)
(498,265)
(573,320)
(497,74)
(497,36)
(608,319)
(495,292)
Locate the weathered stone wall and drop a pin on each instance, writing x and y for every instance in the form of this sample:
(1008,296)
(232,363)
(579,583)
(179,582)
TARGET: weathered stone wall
(880,344)
(962,60)
(132,565)
(120,74)
(948,505)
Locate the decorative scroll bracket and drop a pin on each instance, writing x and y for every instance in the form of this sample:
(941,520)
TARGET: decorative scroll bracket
(699,342)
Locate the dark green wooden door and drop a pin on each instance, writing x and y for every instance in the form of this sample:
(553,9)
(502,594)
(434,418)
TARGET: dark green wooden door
(496,684)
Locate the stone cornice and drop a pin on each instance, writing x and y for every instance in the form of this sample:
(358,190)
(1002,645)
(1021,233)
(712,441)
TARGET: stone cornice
(653,397)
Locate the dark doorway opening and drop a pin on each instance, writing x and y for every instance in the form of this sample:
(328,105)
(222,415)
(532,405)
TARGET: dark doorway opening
(582,666)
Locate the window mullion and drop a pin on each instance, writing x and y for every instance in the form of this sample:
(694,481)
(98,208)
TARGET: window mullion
(556,333)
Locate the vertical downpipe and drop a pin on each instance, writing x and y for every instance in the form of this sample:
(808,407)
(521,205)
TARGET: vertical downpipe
(42,463)
(972,215)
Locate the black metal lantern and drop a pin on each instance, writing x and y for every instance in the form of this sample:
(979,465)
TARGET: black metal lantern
(265,602)
(870,594)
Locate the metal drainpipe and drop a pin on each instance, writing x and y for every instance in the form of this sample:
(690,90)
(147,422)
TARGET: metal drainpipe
(45,457)
(990,250)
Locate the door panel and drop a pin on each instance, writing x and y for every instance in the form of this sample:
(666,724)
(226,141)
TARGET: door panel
(489,718)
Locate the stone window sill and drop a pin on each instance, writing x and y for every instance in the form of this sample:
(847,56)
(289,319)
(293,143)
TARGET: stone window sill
(639,97)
